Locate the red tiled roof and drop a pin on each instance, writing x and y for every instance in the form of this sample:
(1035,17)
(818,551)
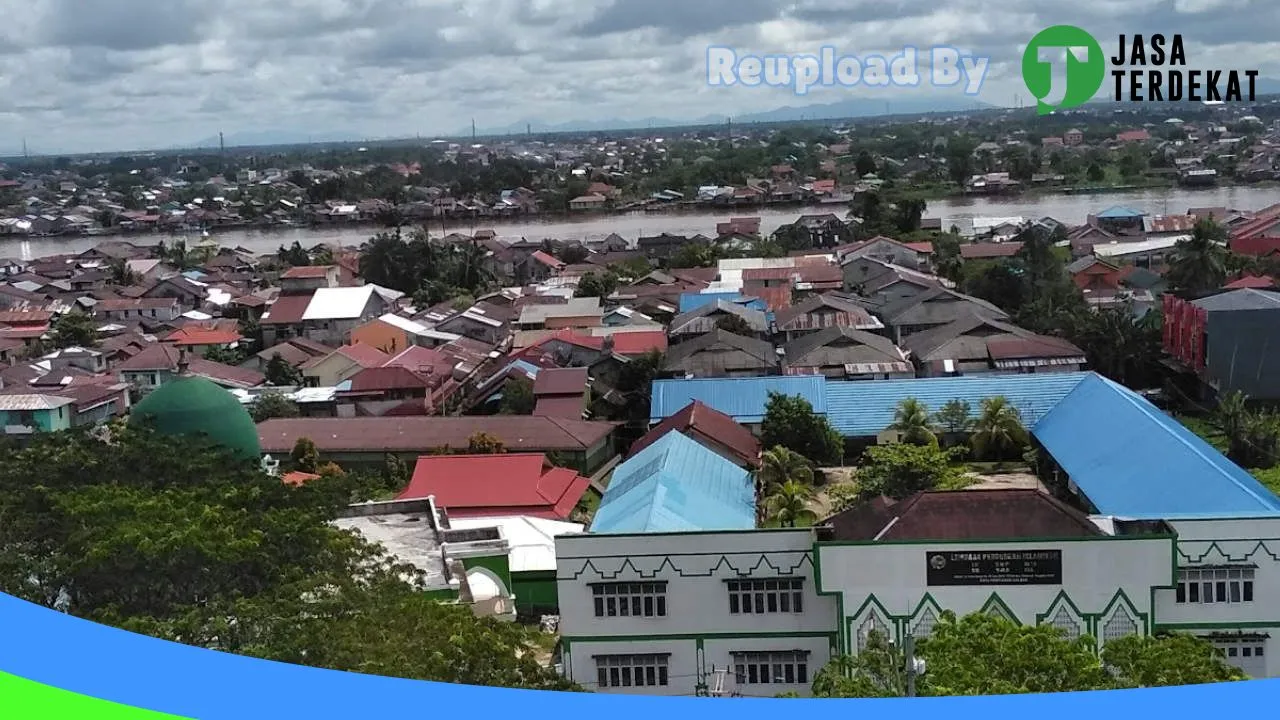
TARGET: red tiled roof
(547,260)
(1255,245)
(25,317)
(964,515)
(306,272)
(710,427)
(983,251)
(1036,346)
(202,336)
(364,355)
(486,485)
(624,343)
(423,360)
(561,381)
(383,379)
(297,477)
(287,310)
(1251,281)
(422,434)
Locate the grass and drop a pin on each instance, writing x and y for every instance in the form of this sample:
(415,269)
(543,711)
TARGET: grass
(1207,431)
(588,505)
(1269,478)
(997,467)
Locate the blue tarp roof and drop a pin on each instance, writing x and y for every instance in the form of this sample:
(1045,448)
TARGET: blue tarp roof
(743,399)
(865,409)
(692,301)
(1134,461)
(1119,212)
(675,485)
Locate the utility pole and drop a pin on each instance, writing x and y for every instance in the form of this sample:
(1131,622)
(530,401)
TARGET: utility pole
(730,122)
(222,144)
(473,130)
(909,656)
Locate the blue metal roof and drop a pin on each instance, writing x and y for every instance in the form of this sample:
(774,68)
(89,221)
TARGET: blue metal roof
(743,399)
(1133,461)
(865,408)
(1118,212)
(693,301)
(675,485)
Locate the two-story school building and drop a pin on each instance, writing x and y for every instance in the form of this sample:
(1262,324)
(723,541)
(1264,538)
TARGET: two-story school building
(674,592)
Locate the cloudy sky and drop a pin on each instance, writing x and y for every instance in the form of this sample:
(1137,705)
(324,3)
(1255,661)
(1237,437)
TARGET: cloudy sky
(89,75)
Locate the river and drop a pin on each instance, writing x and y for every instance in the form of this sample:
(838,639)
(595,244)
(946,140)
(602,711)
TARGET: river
(1066,208)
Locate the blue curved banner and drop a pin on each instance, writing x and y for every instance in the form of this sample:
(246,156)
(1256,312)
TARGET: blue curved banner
(53,665)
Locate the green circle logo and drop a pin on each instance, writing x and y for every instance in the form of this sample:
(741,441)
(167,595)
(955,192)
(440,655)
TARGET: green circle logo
(1063,67)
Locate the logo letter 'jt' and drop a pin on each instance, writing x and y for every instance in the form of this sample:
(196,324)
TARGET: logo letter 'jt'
(1056,58)
(1063,67)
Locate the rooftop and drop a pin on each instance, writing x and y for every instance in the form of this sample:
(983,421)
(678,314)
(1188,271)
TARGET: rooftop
(532,539)
(407,530)
(484,485)
(676,484)
(963,515)
(420,434)
(710,426)
(743,399)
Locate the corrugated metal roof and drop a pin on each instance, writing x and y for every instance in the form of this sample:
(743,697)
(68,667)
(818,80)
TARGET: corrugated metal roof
(1246,299)
(692,301)
(742,399)
(676,484)
(338,303)
(864,409)
(1133,461)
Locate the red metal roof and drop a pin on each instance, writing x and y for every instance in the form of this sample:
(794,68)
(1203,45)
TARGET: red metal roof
(383,379)
(423,360)
(624,343)
(547,260)
(561,381)
(188,336)
(25,317)
(560,406)
(306,272)
(287,310)
(1036,346)
(298,477)
(1259,245)
(364,355)
(422,434)
(488,485)
(1251,281)
(709,427)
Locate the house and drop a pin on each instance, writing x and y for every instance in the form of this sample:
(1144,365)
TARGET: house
(521,484)
(978,344)
(720,353)
(1073,137)
(86,359)
(710,428)
(393,333)
(540,265)
(588,203)
(296,352)
(159,364)
(200,340)
(820,312)
(27,413)
(749,226)
(372,392)
(1132,136)
(482,322)
(190,294)
(989,250)
(916,256)
(879,284)
(333,313)
(307,278)
(822,230)
(576,313)
(1093,274)
(662,247)
(152,310)
(845,353)
(339,365)
(1121,220)
(933,308)
(1258,237)
(561,392)
(707,318)
(584,445)
(1224,342)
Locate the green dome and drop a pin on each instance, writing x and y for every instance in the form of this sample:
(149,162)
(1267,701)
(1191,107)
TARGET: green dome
(196,406)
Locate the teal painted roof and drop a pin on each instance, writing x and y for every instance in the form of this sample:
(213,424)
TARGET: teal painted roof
(195,407)
(866,408)
(1134,461)
(742,399)
(673,485)
(1120,212)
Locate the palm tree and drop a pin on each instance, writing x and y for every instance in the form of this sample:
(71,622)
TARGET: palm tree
(998,431)
(1232,414)
(788,505)
(912,420)
(779,466)
(1199,263)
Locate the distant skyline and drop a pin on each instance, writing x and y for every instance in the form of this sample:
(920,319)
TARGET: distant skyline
(104,75)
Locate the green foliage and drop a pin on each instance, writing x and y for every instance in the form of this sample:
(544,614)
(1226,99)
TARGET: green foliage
(843,496)
(305,455)
(1139,661)
(781,467)
(734,324)
(694,255)
(73,329)
(596,285)
(1199,263)
(225,355)
(483,443)
(280,373)
(418,264)
(901,470)
(517,397)
(790,421)
(273,405)
(878,671)
(1252,436)
(998,433)
(787,505)
(955,417)
(913,422)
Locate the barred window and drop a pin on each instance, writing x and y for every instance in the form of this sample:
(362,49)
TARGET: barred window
(1215,585)
(873,623)
(790,667)
(1067,624)
(924,626)
(1120,625)
(632,670)
(637,599)
(757,597)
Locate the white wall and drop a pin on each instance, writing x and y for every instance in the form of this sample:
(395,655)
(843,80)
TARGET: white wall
(695,567)
(890,579)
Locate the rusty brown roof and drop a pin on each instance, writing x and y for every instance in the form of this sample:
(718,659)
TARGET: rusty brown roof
(963,515)
(424,434)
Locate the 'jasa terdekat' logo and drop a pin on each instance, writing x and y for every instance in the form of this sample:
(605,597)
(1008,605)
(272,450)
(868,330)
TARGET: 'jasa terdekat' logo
(1064,67)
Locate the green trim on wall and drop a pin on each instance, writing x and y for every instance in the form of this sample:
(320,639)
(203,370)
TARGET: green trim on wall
(1213,545)
(1219,625)
(536,590)
(840,638)
(999,541)
(699,637)
(996,602)
(723,561)
(499,565)
(1143,618)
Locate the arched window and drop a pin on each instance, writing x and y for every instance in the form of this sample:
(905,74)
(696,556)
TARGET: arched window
(924,626)
(1066,623)
(873,623)
(1120,625)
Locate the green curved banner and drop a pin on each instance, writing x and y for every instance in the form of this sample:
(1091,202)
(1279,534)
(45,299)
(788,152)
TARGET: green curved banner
(22,699)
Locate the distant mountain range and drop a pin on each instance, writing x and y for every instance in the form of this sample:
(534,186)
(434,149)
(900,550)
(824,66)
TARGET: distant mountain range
(851,108)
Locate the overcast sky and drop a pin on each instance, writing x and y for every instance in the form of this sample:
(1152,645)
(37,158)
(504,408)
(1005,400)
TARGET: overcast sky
(88,75)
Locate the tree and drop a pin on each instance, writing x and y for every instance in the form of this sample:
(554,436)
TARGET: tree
(909,212)
(735,324)
(864,164)
(1199,263)
(224,355)
(788,505)
(273,405)
(593,285)
(483,443)
(789,421)
(280,373)
(573,254)
(912,421)
(955,416)
(899,471)
(1139,661)
(174,538)
(998,432)
(517,397)
(305,455)
(779,466)
(74,329)
(1096,173)
(878,670)
(122,274)
(1118,343)
(694,255)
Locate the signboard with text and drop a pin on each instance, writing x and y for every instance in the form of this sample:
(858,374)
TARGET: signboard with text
(994,567)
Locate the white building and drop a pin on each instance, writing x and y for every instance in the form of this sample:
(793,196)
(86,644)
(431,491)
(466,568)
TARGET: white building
(1149,530)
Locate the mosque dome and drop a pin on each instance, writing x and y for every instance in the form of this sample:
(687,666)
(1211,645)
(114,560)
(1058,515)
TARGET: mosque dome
(196,406)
